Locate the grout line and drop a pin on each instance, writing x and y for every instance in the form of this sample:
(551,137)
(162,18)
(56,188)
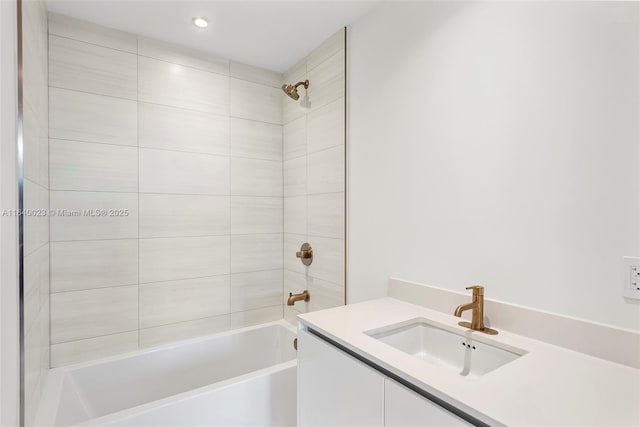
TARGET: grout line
(138,172)
(120,285)
(60,36)
(229,177)
(345,169)
(314,152)
(90,338)
(176,107)
(139,283)
(167,237)
(225,156)
(172,194)
(50,329)
(33,251)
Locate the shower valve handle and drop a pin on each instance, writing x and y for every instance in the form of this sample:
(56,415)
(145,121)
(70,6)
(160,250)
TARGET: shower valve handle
(305,254)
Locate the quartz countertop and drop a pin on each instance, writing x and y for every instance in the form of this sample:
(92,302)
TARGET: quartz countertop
(549,385)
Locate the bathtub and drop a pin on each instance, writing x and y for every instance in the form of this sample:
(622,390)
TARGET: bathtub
(245,377)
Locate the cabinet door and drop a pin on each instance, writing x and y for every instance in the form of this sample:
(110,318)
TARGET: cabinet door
(335,389)
(405,408)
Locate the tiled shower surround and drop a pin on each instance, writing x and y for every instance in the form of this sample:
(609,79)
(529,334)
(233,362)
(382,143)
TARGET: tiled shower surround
(179,158)
(36,200)
(314,184)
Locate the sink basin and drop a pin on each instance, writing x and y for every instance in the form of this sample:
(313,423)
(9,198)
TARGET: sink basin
(426,341)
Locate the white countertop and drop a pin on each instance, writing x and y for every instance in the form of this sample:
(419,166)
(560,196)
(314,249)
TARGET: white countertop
(547,386)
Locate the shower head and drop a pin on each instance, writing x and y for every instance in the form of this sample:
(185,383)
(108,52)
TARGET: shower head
(292,90)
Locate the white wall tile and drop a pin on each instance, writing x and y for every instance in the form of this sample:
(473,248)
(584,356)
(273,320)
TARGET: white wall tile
(36,285)
(184,330)
(85,314)
(256,140)
(325,215)
(326,127)
(256,102)
(93,264)
(183,130)
(296,73)
(90,68)
(183,257)
(256,252)
(92,167)
(292,244)
(295,176)
(327,49)
(250,177)
(172,215)
(182,55)
(323,295)
(65,26)
(82,116)
(35,146)
(328,259)
(181,300)
(36,223)
(327,81)
(295,215)
(243,319)
(255,74)
(85,227)
(93,348)
(164,83)
(325,171)
(36,275)
(290,315)
(164,171)
(35,57)
(256,290)
(33,379)
(250,215)
(36,173)
(295,138)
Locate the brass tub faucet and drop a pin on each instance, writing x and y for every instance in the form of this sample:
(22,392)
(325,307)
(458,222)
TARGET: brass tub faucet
(477,314)
(293,298)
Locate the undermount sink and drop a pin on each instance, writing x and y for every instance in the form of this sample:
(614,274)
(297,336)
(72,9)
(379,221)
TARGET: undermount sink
(424,340)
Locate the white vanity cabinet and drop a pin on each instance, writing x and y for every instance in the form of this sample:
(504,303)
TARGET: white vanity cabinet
(405,408)
(336,389)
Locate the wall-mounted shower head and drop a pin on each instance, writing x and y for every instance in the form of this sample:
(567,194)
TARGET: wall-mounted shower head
(292,90)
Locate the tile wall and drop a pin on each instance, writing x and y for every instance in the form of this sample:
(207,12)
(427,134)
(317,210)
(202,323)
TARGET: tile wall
(36,202)
(314,177)
(189,148)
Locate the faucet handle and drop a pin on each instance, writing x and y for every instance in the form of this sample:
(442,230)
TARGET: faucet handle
(477,289)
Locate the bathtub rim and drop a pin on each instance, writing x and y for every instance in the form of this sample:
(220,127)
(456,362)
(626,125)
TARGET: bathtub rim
(52,390)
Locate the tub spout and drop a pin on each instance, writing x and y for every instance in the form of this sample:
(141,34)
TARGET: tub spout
(293,298)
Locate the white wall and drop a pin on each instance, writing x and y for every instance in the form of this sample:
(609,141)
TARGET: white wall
(497,143)
(8,225)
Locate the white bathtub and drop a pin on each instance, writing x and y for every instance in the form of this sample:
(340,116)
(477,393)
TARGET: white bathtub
(245,377)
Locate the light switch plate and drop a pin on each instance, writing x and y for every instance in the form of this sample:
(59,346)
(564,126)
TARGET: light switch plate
(631,277)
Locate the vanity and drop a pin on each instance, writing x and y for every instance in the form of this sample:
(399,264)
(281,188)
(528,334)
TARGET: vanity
(388,362)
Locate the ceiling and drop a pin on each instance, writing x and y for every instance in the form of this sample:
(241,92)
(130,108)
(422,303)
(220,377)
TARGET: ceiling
(268,34)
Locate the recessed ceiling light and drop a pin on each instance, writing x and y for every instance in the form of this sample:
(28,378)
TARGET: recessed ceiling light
(200,22)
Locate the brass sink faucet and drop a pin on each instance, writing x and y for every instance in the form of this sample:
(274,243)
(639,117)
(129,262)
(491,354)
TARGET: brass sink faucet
(477,315)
